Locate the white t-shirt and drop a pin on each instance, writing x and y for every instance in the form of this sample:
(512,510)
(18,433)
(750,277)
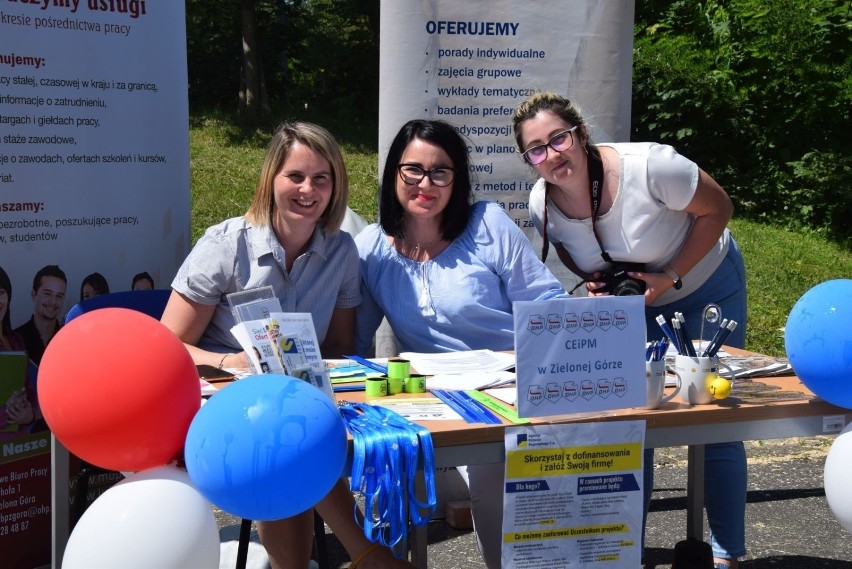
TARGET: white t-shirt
(646,223)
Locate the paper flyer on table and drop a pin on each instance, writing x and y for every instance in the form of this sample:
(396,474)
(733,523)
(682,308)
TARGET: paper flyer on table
(476,361)
(580,355)
(573,495)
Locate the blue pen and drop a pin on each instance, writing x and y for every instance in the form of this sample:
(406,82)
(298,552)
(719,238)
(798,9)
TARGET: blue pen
(715,337)
(368,363)
(661,320)
(730,328)
(681,348)
(687,339)
(662,348)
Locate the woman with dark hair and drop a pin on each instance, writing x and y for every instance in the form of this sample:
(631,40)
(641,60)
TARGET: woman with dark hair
(142,281)
(443,270)
(20,410)
(93,285)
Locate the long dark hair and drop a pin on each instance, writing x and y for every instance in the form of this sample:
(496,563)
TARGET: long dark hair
(457,213)
(97,281)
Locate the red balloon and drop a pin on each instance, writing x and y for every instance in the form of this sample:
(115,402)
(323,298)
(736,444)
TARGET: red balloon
(119,389)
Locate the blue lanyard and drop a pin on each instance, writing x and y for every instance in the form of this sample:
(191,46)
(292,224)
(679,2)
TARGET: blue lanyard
(387,450)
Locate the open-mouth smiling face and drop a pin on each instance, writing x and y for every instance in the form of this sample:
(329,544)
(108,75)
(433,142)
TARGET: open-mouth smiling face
(302,187)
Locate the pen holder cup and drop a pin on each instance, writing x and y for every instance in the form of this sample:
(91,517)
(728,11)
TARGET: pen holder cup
(699,378)
(655,382)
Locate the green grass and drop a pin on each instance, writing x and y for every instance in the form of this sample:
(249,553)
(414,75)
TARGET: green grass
(780,265)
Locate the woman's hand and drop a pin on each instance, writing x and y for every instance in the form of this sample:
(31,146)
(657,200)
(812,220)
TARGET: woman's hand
(655,284)
(595,287)
(19,409)
(238,360)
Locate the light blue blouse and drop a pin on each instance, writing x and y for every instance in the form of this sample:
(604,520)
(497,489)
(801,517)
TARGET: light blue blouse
(460,300)
(236,255)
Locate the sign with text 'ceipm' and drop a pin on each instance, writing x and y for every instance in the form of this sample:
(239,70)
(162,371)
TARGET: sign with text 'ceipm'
(580,355)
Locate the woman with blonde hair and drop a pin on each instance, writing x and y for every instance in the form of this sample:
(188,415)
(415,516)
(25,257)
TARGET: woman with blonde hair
(288,239)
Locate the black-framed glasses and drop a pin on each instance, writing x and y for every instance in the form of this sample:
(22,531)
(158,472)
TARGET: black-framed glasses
(413,174)
(559,142)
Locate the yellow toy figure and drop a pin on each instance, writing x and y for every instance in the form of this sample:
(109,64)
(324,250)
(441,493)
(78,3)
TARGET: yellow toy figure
(719,387)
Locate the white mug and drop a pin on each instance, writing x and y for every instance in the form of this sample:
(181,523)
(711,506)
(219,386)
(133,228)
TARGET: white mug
(655,382)
(696,374)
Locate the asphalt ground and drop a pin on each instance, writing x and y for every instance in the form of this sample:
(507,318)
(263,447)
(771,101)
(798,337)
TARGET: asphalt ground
(788,522)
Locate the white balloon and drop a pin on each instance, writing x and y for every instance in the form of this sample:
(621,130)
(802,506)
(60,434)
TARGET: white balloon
(154,518)
(838,487)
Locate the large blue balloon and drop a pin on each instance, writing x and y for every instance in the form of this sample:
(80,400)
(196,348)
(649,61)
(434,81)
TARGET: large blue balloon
(818,339)
(266,447)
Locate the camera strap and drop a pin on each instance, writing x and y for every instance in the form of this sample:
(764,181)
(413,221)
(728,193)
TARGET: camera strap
(595,168)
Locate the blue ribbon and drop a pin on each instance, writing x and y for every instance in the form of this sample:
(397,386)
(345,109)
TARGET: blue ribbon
(388,452)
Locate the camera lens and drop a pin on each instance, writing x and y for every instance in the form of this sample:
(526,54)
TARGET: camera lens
(628,287)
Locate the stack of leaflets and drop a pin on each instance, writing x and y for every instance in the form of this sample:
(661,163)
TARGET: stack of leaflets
(278,342)
(349,375)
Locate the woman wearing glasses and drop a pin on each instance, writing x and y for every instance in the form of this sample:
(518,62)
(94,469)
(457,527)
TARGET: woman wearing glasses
(643,203)
(443,270)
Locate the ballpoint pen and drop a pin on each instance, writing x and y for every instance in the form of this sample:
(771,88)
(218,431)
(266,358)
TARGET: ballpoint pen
(714,348)
(661,320)
(715,337)
(678,333)
(687,339)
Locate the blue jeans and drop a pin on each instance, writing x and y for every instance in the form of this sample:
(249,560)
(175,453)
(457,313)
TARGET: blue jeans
(725,469)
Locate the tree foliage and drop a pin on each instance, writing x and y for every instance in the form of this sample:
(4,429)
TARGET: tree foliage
(320,54)
(759,93)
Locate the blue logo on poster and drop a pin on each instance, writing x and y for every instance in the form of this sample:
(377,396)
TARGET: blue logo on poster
(620,319)
(588,321)
(554,323)
(522,440)
(536,324)
(572,322)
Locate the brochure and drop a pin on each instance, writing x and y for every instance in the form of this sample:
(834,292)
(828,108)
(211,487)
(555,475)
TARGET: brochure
(253,304)
(287,343)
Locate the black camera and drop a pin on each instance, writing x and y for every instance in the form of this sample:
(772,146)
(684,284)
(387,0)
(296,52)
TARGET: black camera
(617,283)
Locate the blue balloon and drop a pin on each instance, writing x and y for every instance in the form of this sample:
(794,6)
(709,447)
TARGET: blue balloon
(266,447)
(818,340)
